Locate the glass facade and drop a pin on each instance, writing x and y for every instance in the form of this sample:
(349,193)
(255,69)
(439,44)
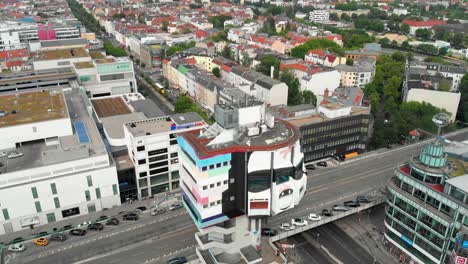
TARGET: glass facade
(423,212)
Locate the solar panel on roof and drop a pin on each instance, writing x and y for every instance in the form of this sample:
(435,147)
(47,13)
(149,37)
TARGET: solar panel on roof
(81,132)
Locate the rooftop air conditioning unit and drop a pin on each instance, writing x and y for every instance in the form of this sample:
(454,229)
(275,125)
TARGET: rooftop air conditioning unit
(253,131)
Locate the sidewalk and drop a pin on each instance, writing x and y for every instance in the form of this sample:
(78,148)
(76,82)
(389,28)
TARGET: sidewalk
(91,217)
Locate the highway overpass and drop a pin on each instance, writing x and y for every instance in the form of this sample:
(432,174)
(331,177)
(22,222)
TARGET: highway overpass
(153,238)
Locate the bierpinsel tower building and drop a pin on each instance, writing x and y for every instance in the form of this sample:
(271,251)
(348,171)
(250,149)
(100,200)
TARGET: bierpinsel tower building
(245,167)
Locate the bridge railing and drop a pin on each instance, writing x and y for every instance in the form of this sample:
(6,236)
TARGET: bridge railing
(325,220)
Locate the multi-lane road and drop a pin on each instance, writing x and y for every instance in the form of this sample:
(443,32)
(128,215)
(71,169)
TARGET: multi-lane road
(153,239)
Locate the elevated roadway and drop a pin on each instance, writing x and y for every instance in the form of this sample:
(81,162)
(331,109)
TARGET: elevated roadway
(173,233)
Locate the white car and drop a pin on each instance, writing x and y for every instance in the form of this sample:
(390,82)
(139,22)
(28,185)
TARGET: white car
(84,224)
(286,227)
(298,222)
(14,155)
(175,206)
(17,248)
(3,154)
(315,217)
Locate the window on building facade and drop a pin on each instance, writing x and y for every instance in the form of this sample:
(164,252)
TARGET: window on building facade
(89,180)
(53,188)
(34,192)
(88,196)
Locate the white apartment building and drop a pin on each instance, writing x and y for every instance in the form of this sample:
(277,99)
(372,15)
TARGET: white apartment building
(152,146)
(319,16)
(359,74)
(63,169)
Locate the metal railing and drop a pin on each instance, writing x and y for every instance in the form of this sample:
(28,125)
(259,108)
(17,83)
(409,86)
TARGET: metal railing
(326,220)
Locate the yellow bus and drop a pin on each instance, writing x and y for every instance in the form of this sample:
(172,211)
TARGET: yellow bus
(350,155)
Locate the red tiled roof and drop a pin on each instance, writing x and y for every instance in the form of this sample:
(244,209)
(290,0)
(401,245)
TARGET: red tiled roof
(14,63)
(226,68)
(258,39)
(201,34)
(330,58)
(165,61)
(428,23)
(190,61)
(296,66)
(318,52)
(14,53)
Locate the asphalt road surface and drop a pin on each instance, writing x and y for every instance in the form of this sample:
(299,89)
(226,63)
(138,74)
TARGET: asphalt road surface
(173,233)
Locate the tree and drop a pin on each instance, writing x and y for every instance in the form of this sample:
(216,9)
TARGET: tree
(179,47)
(143,65)
(462,113)
(266,63)
(218,21)
(345,17)
(309,97)
(349,61)
(398,56)
(227,53)
(183,104)
(246,60)
(457,40)
(385,42)
(114,51)
(164,25)
(405,45)
(405,29)
(294,92)
(334,17)
(301,50)
(423,33)
(216,72)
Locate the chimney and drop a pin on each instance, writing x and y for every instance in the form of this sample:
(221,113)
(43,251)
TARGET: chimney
(325,93)
(272,70)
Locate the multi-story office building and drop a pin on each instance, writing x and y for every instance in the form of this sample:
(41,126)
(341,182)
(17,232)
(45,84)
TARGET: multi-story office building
(152,146)
(427,203)
(54,164)
(19,36)
(339,127)
(245,167)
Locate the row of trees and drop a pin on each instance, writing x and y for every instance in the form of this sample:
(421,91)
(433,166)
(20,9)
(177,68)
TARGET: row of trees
(87,19)
(218,21)
(394,118)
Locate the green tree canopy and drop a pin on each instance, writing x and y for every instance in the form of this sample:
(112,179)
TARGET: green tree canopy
(217,72)
(301,50)
(266,63)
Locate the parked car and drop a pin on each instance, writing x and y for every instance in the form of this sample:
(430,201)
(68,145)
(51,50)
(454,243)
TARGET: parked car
(362,199)
(77,232)
(157,211)
(177,260)
(84,224)
(16,241)
(42,241)
(130,217)
(102,218)
(17,248)
(175,206)
(352,204)
(113,221)
(322,164)
(141,208)
(269,232)
(298,222)
(341,208)
(14,155)
(310,167)
(286,227)
(58,237)
(315,217)
(67,227)
(326,212)
(41,234)
(96,227)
